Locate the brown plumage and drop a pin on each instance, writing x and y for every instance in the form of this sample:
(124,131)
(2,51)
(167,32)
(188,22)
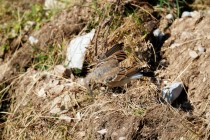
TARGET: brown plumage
(108,71)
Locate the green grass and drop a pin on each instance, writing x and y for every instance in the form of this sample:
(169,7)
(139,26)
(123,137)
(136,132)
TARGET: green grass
(46,60)
(171,5)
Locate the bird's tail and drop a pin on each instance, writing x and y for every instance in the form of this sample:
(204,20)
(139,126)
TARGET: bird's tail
(114,49)
(148,73)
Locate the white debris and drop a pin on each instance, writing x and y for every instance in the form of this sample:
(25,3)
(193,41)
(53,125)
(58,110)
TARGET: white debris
(33,40)
(122,138)
(41,93)
(81,134)
(53,4)
(78,116)
(182,138)
(208,115)
(59,69)
(172,92)
(63,101)
(57,89)
(28,25)
(102,131)
(169,17)
(195,14)
(201,49)
(186,14)
(165,82)
(77,49)
(55,110)
(65,118)
(51,84)
(114,95)
(174,45)
(193,54)
(157,33)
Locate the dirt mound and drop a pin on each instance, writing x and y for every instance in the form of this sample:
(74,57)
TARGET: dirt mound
(190,35)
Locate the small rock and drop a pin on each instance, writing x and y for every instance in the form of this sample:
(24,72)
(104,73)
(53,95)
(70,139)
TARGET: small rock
(102,88)
(41,93)
(165,82)
(195,14)
(102,131)
(29,25)
(59,70)
(57,89)
(201,49)
(182,138)
(81,134)
(174,45)
(193,54)
(78,116)
(53,4)
(55,110)
(186,14)
(33,40)
(208,115)
(122,138)
(169,17)
(157,33)
(171,92)
(65,118)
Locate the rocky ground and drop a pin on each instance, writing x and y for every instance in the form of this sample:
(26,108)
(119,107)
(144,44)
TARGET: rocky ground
(41,99)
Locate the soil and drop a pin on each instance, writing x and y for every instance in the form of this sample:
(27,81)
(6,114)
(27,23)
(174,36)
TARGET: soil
(53,104)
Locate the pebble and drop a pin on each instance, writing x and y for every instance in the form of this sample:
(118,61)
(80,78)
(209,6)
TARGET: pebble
(42,93)
(102,131)
(65,118)
(208,115)
(186,14)
(195,14)
(122,138)
(193,54)
(157,33)
(169,17)
(59,70)
(171,92)
(201,49)
(33,40)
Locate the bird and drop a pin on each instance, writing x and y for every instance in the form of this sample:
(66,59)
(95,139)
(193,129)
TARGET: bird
(109,72)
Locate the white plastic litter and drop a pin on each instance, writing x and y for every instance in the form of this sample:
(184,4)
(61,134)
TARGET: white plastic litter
(77,48)
(172,92)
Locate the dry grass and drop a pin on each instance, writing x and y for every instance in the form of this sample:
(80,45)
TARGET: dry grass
(45,105)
